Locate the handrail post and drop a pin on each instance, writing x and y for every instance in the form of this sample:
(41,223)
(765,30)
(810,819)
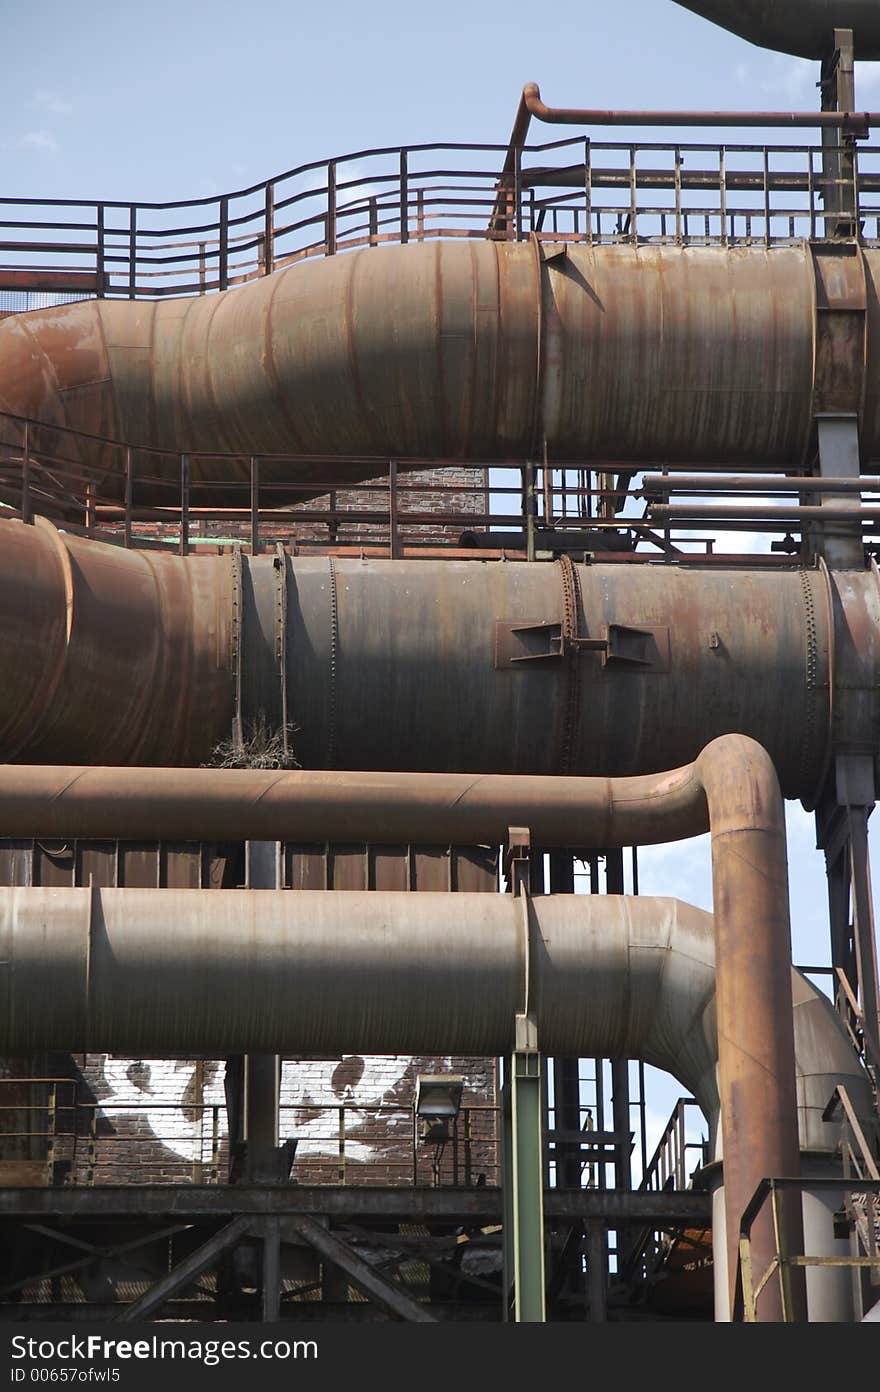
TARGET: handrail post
(517,193)
(330,235)
(132,251)
(269,231)
(223,245)
(404,197)
(99,249)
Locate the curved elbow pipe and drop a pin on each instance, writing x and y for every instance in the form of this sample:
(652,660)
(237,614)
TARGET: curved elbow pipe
(447,350)
(804,28)
(731,789)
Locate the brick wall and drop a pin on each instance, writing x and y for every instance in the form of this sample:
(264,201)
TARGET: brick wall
(123,1120)
(449,490)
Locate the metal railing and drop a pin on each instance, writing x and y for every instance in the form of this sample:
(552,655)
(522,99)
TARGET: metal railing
(668,1168)
(575,189)
(97,486)
(865,1193)
(88,1142)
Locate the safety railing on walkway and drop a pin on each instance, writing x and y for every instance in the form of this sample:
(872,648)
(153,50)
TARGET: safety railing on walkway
(861,1194)
(147,497)
(577,189)
(672,1166)
(50,1133)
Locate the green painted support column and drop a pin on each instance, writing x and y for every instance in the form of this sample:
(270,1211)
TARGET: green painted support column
(523,1129)
(507,1195)
(524,1180)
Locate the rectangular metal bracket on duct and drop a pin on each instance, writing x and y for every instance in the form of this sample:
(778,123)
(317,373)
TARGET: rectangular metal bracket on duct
(841,329)
(540,644)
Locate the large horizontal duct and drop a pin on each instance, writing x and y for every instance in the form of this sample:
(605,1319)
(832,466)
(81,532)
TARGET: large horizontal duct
(481,350)
(149,973)
(155,972)
(802,27)
(121,657)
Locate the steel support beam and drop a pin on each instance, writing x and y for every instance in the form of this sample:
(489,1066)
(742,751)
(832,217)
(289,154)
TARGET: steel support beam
(186,1271)
(524,1235)
(383,1292)
(842,834)
(477,1205)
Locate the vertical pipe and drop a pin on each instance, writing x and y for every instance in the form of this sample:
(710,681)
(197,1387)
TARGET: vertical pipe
(756,1064)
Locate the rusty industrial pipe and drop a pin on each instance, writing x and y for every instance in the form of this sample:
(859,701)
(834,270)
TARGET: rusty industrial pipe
(731,789)
(113,656)
(445,350)
(531,103)
(112,650)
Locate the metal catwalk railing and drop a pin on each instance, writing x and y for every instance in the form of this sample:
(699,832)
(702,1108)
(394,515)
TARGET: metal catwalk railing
(577,189)
(78,1140)
(92,485)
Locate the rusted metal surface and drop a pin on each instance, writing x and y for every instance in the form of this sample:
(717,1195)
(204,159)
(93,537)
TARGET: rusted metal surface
(122,653)
(756,1040)
(475,351)
(419,667)
(121,657)
(802,27)
(840,373)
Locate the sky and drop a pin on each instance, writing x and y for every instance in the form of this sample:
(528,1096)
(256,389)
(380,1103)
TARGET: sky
(119,100)
(126,101)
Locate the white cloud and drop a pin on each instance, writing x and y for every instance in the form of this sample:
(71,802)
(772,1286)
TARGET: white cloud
(46,100)
(38,140)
